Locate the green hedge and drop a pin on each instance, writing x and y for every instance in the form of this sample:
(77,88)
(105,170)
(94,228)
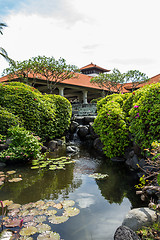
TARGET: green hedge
(7,120)
(24,145)
(39,113)
(110,125)
(137,113)
(145,115)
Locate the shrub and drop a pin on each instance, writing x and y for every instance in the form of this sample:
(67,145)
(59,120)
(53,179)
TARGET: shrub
(42,114)
(111,127)
(24,145)
(114,97)
(7,120)
(144,115)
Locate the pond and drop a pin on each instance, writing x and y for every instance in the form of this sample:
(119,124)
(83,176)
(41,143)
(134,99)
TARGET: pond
(103,203)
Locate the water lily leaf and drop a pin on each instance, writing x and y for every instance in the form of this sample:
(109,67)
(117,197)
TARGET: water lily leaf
(25,238)
(1,183)
(40,202)
(71,211)
(67,203)
(43,227)
(7,202)
(35,167)
(1,173)
(51,212)
(28,218)
(11,172)
(53,168)
(33,212)
(27,231)
(13,213)
(6,235)
(12,223)
(24,213)
(58,206)
(27,206)
(14,206)
(40,219)
(28,224)
(58,219)
(15,180)
(43,207)
(98,175)
(49,236)
(50,203)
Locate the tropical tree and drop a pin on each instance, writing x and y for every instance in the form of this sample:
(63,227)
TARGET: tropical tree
(3,52)
(113,82)
(41,67)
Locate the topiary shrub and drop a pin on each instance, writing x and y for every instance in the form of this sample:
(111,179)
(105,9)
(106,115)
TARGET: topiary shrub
(111,127)
(7,120)
(127,103)
(114,97)
(24,145)
(145,115)
(39,113)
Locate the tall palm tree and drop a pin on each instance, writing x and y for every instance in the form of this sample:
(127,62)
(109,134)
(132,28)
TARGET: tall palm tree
(3,52)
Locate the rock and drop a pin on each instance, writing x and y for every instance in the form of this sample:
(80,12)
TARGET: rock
(139,217)
(98,145)
(3,147)
(132,161)
(73,127)
(52,145)
(82,131)
(125,233)
(72,149)
(43,149)
(117,159)
(89,119)
(2,165)
(8,141)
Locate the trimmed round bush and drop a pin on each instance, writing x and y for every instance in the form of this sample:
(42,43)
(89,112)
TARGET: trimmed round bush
(145,115)
(39,113)
(114,97)
(111,127)
(7,120)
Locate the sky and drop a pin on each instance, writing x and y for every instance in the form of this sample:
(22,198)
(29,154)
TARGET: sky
(122,34)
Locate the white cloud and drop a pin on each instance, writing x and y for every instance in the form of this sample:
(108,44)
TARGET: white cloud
(121,34)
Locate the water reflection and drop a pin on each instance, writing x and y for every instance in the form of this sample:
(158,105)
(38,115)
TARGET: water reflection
(102,203)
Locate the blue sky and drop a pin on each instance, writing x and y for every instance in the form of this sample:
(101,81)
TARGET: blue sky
(110,33)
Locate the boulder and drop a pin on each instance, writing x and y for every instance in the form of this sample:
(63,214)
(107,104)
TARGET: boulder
(125,233)
(72,149)
(89,119)
(73,127)
(98,145)
(132,161)
(52,145)
(139,217)
(82,131)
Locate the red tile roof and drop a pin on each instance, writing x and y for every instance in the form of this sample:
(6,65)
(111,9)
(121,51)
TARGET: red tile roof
(94,66)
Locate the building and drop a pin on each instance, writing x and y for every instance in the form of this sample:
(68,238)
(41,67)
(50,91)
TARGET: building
(79,88)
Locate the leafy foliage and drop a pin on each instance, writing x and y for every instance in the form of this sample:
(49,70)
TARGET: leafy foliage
(45,115)
(7,120)
(23,145)
(111,127)
(144,115)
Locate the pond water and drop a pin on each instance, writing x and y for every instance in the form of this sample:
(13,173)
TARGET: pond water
(102,203)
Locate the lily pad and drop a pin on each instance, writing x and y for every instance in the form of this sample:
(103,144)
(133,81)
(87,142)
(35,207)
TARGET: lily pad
(1,183)
(58,219)
(35,167)
(28,218)
(49,236)
(71,211)
(14,206)
(7,202)
(25,238)
(1,173)
(12,223)
(27,231)
(24,213)
(6,234)
(11,172)
(51,212)
(50,203)
(67,203)
(98,175)
(43,227)
(58,206)
(15,180)
(40,219)
(33,212)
